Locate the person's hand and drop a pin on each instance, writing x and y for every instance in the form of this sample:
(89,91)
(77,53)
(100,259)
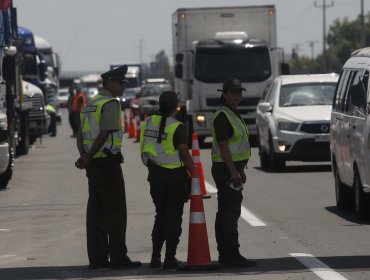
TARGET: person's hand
(244,177)
(236,178)
(83,161)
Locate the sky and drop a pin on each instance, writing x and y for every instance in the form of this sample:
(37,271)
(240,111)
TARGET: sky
(92,34)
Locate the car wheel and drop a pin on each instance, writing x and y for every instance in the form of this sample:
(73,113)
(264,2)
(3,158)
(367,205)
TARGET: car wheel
(24,143)
(359,197)
(343,194)
(276,163)
(32,139)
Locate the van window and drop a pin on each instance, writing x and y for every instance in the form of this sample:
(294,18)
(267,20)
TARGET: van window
(340,90)
(356,94)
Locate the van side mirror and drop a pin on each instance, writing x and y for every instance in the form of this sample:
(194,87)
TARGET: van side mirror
(178,71)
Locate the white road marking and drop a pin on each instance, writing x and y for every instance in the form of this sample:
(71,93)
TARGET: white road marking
(317,267)
(4,229)
(7,256)
(246,215)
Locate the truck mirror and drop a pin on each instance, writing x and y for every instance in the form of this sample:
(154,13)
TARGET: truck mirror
(9,68)
(179,57)
(178,71)
(42,69)
(285,69)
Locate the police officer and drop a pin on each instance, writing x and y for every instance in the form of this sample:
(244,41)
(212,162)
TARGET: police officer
(165,152)
(230,154)
(99,143)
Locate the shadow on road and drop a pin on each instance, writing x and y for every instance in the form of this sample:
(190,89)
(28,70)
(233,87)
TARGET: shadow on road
(299,169)
(264,266)
(347,215)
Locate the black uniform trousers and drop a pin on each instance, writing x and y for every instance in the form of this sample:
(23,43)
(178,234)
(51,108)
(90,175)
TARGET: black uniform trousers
(229,210)
(167,188)
(106,217)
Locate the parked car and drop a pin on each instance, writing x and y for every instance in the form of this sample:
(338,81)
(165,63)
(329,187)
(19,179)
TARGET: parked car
(62,97)
(293,120)
(350,135)
(147,102)
(128,95)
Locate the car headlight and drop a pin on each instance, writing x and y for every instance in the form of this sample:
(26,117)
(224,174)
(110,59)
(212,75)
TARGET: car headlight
(287,125)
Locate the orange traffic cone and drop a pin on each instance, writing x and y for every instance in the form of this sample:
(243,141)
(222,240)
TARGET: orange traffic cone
(198,248)
(131,130)
(137,129)
(195,153)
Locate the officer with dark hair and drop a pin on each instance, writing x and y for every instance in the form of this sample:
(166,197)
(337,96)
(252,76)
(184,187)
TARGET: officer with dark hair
(99,142)
(164,150)
(230,155)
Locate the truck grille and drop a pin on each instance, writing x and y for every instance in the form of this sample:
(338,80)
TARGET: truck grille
(315,128)
(251,101)
(37,105)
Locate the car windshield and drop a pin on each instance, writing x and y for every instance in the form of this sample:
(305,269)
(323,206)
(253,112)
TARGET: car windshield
(246,64)
(307,94)
(154,90)
(131,82)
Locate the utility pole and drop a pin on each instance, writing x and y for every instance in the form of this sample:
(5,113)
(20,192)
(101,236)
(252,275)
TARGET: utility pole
(312,45)
(362,25)
(324,6)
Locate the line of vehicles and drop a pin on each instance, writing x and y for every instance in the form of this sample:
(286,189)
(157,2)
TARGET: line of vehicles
(290,117)
(28,83)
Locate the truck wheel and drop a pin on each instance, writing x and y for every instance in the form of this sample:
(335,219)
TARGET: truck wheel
(360,198)
(343,194)
(32,139)
(7,175)
(24,143)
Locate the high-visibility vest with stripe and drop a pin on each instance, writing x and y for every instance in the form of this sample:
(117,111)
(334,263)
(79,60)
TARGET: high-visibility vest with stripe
(238,144)
(163,154)
(90,120)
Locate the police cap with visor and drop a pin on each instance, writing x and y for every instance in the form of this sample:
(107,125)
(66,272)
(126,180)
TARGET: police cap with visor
(116,74)
(232,84)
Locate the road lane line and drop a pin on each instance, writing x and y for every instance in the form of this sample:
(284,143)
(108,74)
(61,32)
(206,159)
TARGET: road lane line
(317,267)
(246,215)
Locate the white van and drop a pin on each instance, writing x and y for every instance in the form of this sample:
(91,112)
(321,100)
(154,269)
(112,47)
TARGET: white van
(350,134)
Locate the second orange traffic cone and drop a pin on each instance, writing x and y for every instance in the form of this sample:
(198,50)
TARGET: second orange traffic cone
(195,153)
(198,248)
(131,129)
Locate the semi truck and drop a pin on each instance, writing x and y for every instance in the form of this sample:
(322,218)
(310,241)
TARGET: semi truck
(213,44)
(14,110)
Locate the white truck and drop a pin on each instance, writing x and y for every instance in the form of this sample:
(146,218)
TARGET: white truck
(213,44)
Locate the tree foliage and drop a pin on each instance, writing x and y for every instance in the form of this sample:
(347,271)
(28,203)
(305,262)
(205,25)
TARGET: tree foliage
(343,38)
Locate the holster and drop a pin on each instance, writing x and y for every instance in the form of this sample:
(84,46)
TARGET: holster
(118,157)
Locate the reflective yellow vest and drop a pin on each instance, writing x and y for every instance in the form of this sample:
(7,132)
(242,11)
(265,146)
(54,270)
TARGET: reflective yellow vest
(163,154)
(238,143)
(90,120)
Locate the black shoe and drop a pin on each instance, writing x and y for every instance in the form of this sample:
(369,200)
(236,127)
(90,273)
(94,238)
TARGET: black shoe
(172,263)
(155,262)
(99,265)
(126,263)
(236,261)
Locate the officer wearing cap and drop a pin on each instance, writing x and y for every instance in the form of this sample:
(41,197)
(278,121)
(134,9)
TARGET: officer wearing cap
(164,150)
(230,155)
(99,143)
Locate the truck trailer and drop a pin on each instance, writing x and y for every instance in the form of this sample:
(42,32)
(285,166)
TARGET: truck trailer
(213,44)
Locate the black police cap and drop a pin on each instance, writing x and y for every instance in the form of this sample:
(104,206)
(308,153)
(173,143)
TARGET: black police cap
(117,74)
(168,99)
(231,83)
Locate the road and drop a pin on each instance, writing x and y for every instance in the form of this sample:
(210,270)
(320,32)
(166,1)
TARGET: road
(289,225)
